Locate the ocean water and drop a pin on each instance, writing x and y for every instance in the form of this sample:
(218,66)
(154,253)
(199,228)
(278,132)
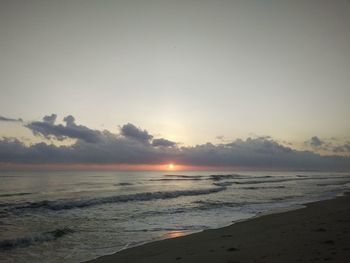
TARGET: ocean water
(75,216)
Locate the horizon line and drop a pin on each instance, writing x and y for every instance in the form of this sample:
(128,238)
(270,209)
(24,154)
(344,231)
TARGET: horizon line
(144,167)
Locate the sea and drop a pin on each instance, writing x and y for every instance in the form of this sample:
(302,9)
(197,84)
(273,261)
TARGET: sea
(73,216)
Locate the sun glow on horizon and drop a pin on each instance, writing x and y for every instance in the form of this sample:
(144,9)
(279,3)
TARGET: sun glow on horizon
(117,167)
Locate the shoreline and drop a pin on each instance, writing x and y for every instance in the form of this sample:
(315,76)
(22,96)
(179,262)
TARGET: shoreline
(315,232)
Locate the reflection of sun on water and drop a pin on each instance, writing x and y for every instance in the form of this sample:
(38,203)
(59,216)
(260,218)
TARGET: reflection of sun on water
(175,233)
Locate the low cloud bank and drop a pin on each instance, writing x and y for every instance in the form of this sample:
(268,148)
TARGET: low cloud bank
(134,145)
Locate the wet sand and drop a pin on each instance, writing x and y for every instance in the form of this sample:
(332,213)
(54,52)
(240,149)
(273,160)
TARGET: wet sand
(318,233)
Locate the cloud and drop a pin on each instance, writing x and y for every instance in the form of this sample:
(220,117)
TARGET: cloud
(342,148)
(135,146)
(131,131)
(109,149)
(50,119)
(329,145)
(261,152)
(48,129)
(70,121)
(163,142)
(316,142)
(2,118)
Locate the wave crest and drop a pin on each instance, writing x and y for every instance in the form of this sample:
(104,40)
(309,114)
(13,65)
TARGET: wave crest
(9,244)
(147,196)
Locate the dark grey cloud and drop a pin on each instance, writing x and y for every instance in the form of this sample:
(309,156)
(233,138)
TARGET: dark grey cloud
(135,146)
(342,148)
(163,142)
(328,145)
(48,129)
(109,149)
(69,120)
(50,119)
(316,142)
(131,131)
(2,118)
(262,153)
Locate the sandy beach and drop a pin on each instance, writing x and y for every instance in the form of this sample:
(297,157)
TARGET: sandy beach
(317,233)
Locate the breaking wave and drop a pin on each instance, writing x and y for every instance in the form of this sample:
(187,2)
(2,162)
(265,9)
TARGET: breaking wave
(288,180)
(223,183)
(123,184)
(33,239)
(264,187)
(14,194)
(213,177)
(176,179)
(147,196)
(219,177)
(184,176)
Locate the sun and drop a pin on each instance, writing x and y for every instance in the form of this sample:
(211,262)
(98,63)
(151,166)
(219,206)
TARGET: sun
(171,166)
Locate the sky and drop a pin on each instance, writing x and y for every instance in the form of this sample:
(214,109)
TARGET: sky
(195,78)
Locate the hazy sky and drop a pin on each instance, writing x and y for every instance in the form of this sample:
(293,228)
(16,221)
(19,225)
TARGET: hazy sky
(188,71)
